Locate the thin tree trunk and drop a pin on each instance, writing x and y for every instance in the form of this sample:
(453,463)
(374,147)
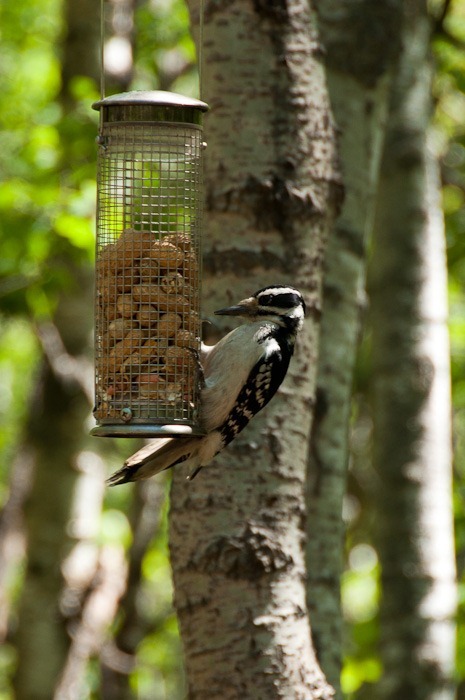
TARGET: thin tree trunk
(56,429)
(54,437)
(358,82)
(119,660)
(236,531)
(81,44)
(412,441)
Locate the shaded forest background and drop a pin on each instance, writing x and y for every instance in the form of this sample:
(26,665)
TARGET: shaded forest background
(105,538)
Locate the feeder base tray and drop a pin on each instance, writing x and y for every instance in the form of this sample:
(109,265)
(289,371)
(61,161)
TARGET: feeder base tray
(135,430)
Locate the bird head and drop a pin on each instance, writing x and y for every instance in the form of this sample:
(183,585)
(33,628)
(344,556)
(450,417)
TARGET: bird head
(279,303)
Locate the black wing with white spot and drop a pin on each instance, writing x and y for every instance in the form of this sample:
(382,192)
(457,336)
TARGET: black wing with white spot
(262,384)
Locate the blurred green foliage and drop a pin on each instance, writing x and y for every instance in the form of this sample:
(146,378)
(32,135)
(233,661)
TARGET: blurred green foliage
(170,59)
(47,202)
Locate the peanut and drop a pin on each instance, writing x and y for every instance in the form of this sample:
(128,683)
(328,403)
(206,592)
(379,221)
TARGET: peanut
(180,240)
(178,362)
(150,385)
(185,339)
(120,327)
(168,325)
(174,283)
(149,269)
(168,255)
(125,305)
(147,315)
(146,320)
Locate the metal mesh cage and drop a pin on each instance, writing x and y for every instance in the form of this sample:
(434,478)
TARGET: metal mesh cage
(149,207)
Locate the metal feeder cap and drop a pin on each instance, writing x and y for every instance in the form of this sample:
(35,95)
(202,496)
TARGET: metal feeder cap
(155,98)
(150,106)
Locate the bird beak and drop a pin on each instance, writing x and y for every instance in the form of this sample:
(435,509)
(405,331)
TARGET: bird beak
(246,307)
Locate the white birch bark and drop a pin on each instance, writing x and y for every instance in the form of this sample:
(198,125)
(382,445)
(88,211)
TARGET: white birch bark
(358,82)
(412,393)
(237,531)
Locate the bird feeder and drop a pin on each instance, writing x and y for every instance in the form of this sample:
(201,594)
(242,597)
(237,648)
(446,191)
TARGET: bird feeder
(149,209)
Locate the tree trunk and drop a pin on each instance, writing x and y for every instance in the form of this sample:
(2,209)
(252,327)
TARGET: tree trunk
(236,531)
(55,434)
(81,45)
(359,74)
(119,660)
(56,428)
(412,441)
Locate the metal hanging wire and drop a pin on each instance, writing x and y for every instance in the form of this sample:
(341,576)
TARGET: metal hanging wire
(102,49)
(200,50)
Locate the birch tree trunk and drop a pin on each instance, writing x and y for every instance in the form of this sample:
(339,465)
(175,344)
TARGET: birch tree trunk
(411,392)
(358,73)
(236,532)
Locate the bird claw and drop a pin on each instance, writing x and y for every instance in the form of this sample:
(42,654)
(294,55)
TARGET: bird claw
(200,372)
(193,474)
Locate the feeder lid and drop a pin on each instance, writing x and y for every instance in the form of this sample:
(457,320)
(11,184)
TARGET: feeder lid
(155,98)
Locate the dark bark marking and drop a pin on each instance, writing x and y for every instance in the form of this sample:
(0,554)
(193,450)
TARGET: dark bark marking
(321,409)
(249,555)
(274,10)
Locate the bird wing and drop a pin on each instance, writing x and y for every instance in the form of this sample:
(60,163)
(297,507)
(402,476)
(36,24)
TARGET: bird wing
(263,382)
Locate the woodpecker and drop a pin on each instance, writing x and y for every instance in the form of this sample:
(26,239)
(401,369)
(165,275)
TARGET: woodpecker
(242,372)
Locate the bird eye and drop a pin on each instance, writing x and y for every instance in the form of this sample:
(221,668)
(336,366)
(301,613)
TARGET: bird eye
(266,299)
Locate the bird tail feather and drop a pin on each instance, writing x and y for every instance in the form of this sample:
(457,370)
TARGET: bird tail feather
(153,458)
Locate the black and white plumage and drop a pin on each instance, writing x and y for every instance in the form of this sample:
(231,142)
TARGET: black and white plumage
(242,373)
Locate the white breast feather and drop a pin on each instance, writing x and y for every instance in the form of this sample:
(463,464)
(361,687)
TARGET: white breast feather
(226,368)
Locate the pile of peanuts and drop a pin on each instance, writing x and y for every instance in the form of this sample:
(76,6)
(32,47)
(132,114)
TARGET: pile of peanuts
(147,328)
